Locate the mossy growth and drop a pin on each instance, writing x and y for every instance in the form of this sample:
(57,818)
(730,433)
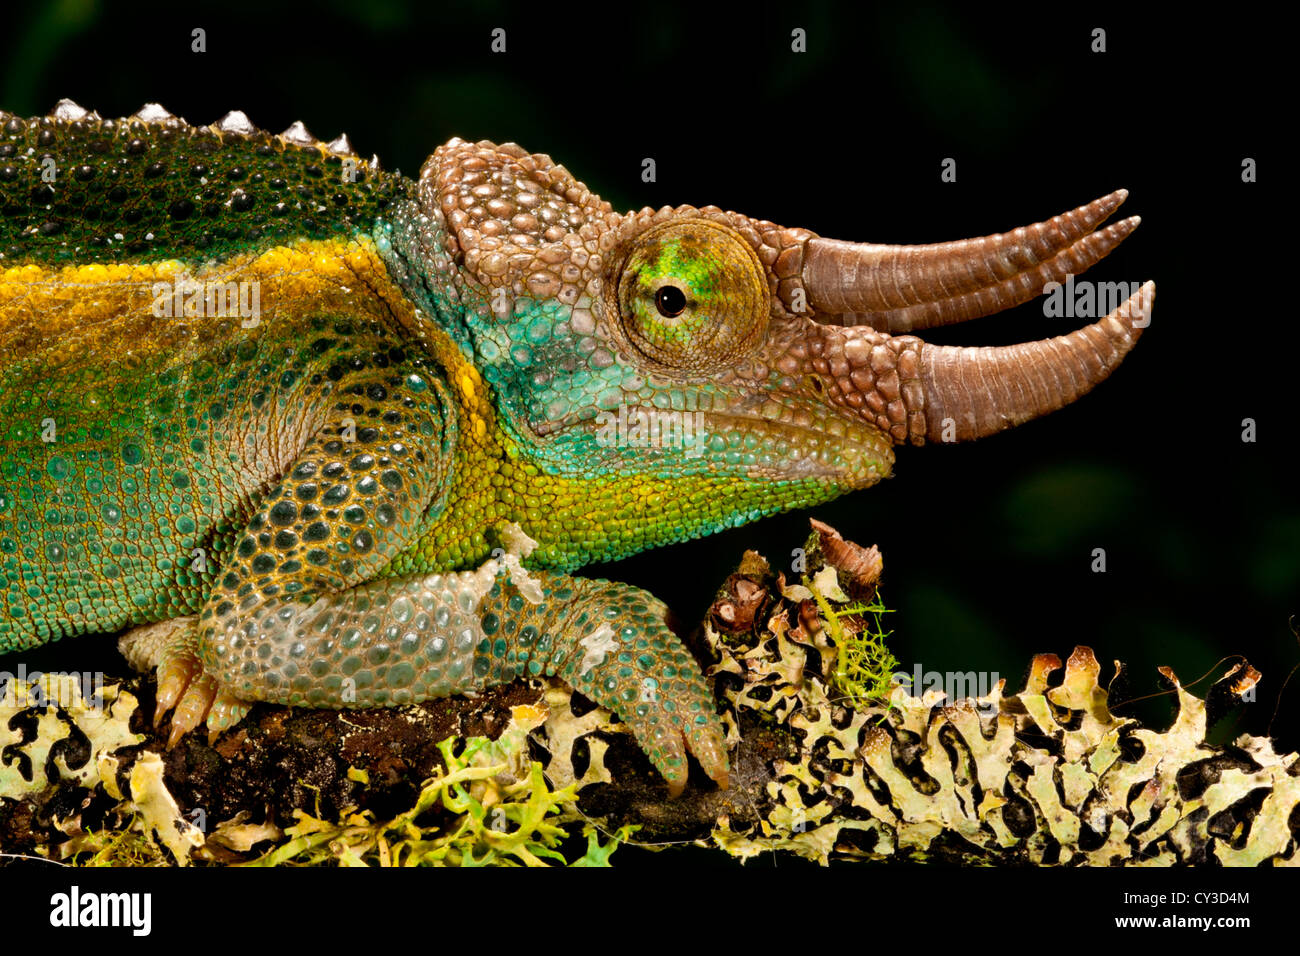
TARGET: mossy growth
(132,844)
(864,666)
(490,819)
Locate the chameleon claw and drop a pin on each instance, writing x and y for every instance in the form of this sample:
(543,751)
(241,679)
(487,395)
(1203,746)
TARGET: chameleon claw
(191,696)
(176,676)
(205,703)
(192,708)
(709,746)
(667,747)
(225,712)
(709,749)
(671,752)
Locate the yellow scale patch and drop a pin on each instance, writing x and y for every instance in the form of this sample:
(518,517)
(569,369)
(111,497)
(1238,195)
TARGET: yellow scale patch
(114,303)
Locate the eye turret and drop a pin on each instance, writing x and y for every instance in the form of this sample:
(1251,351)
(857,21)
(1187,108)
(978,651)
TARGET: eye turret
(693,295)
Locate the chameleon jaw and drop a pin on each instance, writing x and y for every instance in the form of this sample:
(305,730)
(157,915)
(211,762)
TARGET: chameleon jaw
(793,439)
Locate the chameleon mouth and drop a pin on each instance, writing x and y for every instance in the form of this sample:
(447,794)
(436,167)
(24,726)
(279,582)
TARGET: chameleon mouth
(779,439)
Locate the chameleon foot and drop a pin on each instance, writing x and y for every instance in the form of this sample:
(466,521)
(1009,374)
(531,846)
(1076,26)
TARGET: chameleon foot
(183,686)
(666,745)
(609,641)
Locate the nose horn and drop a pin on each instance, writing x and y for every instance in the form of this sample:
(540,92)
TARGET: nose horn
(974,392)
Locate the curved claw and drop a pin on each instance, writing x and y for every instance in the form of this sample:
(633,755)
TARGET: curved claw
(709,745)
(225,712)
(659,731)
(192,708)
(177,673)
(668,753)
(670,747)
(190,695)
(204,702)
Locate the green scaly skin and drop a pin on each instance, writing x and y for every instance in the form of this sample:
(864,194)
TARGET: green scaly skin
(302,505)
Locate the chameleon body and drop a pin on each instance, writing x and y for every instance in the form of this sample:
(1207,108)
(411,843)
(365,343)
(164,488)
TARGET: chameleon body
(318,434)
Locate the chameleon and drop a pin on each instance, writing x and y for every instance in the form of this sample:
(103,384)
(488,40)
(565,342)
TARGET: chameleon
(306,431)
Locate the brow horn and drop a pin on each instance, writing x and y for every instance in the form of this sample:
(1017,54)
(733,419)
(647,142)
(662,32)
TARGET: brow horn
(901,288)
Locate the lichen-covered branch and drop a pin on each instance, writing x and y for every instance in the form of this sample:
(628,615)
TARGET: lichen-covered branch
(830,761)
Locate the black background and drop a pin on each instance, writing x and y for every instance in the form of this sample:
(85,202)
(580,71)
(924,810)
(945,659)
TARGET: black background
(987,546)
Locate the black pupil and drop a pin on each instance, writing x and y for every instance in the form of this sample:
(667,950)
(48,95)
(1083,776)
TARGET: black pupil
(670,301)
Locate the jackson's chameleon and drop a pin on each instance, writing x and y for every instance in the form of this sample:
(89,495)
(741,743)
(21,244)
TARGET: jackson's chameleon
(319,434)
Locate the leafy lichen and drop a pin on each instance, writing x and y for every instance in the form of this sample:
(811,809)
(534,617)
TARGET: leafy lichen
(1047,776)
(495,820)
(489,804)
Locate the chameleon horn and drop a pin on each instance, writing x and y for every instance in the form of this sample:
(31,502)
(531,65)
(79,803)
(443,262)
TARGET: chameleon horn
(974,392)
(900,288)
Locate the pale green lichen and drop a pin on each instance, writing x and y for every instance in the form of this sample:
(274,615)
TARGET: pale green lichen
(933,775)
(491,805)
(496,819)
(158,812)
(61,709)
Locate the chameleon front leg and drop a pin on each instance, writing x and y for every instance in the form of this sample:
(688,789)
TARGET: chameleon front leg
(301,614)
(412,638)
(408,639)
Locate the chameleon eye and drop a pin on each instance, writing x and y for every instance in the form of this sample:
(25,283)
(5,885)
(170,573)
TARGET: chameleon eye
(670,301)
(693,295)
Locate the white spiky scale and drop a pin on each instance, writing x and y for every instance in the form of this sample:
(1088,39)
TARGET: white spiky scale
(341,146)
(236,121)
(68,111)
(154,113)
(297,133)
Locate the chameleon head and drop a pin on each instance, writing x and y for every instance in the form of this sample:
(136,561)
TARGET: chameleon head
(691,341)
